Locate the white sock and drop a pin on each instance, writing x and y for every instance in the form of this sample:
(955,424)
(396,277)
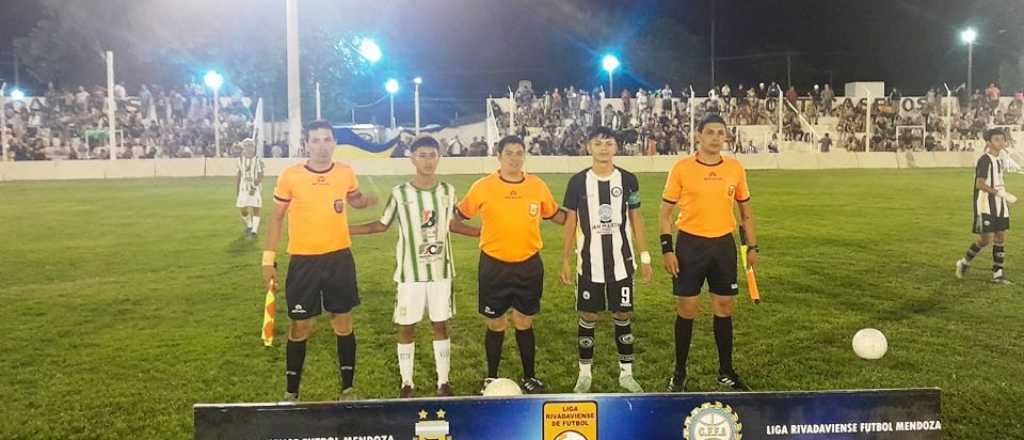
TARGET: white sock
(246,221)
(255,224)
(406,355)
(625,369)
(584,369)
(442,357)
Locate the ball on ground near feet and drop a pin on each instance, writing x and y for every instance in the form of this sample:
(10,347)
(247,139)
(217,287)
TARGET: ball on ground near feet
(870,343)
(503,387)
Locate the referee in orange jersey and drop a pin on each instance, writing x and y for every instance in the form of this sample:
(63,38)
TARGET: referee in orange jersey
(705,187)
(316,197)
(511,204)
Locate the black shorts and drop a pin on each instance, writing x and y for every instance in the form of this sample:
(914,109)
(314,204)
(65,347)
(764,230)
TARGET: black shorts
(503,285)
(616,296)
(700,259)
(318,282)
(987,224)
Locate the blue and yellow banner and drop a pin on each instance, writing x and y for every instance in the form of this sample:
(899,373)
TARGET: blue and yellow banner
(351,145)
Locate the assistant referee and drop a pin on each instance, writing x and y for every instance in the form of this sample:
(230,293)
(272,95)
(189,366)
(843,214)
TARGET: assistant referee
(704,187)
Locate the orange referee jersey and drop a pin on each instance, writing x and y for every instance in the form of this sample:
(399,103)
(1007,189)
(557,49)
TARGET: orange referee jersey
(705,193)
(317,211)
(511,214)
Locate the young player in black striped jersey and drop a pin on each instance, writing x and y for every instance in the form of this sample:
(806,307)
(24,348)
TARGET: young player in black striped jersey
(424,208)
(605,232)
(991,207)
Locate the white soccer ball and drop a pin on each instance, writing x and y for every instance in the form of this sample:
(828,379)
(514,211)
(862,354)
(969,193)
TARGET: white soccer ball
(870,343)
(503,387)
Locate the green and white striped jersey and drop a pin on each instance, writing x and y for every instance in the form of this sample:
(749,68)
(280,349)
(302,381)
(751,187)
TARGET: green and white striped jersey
(423,252)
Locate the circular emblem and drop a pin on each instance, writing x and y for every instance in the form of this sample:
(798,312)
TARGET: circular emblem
(616,191)
(586,342)
(586,294)
(433,249)
(570,435)
(713,421)
(604,213)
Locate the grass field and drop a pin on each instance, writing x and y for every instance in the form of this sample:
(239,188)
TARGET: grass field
(125,302)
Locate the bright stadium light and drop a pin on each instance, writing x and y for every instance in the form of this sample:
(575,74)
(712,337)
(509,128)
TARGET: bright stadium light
(370,50)
(391,86)
(610,63)
(213,80)
(418,80)
(968,36)
(17,94)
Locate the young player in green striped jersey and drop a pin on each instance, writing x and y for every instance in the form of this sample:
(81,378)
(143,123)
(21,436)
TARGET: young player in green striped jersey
(423,257)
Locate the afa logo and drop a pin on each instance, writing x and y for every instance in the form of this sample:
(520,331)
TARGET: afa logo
(713,421)
(339,206)
(732,190)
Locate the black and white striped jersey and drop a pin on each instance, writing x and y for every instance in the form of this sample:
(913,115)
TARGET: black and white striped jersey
(604,235)
(991,168)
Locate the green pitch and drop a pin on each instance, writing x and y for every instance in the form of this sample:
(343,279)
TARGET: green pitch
(125,302)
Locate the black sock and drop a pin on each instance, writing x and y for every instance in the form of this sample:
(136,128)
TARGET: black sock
(684,333)
(585,336)
(624,340)
(972,252)
(527,350)
(294,358)
(492,343)
(723,338)
(998,253)
(347,359)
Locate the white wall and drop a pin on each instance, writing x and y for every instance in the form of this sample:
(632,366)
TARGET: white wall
(82,169)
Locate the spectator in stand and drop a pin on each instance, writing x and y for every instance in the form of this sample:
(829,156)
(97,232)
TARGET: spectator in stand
(827,95)
(791,95)
(826,143)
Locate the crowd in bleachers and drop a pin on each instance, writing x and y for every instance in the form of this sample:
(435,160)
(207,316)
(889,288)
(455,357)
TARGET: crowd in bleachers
(155,123)
(658,121)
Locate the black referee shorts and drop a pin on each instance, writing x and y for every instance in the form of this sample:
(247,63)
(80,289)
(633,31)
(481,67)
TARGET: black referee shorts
(710,259)
(503,285)
(321,282)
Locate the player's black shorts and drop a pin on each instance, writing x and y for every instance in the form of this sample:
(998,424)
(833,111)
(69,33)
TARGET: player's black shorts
(318,282)
(986,224)
(516,285)
(616,296)
(700,259)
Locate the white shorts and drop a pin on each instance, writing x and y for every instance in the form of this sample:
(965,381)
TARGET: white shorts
(434,297)
(247,201)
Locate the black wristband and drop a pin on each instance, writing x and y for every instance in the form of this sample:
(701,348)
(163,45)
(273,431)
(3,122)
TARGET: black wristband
(666,243)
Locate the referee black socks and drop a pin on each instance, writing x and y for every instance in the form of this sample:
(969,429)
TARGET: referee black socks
(347,359)
(527,351)
(492,344)
(294,358)
(684,333)
(723,339)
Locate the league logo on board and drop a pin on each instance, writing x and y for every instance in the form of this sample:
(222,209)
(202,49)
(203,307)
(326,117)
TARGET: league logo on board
(534,209)
(713,421)
(427,429)
(339,206)
(570,420)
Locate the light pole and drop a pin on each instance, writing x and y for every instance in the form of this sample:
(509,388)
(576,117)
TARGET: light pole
(417,81)
(214,80)
(3,123)
(610,63)
(968,36)
(391,86)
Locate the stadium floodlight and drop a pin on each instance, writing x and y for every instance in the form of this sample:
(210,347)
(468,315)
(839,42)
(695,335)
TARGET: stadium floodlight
(17,94)
(392,87)
(214,80)
(370,50)
(610,63)
(417,80)
(969,36)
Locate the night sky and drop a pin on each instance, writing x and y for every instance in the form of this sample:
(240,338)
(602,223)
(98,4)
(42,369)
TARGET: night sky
(467,49)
